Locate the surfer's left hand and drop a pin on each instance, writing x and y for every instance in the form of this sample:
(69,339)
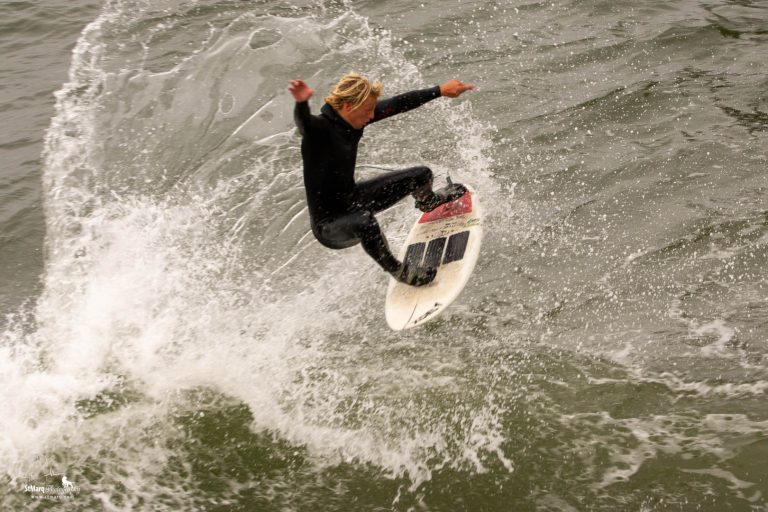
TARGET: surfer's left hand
(453,88)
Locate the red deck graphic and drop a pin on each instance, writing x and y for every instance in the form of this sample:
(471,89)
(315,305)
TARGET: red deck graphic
(458,207)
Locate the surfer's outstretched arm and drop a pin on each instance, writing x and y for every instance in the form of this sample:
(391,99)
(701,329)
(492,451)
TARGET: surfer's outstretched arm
(413,99)
(301,92)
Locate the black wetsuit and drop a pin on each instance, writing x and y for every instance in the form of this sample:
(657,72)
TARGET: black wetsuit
(342,211)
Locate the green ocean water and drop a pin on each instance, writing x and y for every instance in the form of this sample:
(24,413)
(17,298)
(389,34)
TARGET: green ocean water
(173,338)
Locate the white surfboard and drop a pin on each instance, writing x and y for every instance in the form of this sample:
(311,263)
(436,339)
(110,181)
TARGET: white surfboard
(449,237)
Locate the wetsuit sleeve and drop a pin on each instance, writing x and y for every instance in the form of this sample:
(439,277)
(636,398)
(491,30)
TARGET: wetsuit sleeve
(404,102)
(302,117)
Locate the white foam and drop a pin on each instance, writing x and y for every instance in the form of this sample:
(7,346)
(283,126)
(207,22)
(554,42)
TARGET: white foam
(722,332)
(194,283)
(634,441)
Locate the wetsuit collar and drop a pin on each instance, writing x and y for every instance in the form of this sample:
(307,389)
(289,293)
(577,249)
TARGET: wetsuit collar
(330,112)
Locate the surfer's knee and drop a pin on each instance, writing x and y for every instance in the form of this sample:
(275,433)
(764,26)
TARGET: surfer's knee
(368,223)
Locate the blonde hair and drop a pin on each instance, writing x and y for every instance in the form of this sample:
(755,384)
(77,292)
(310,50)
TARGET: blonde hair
(353,89)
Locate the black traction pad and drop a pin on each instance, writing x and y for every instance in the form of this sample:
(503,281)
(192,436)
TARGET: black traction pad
(455,248)
(457,245)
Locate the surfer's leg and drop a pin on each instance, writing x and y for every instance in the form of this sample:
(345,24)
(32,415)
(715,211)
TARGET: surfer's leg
(384,191)
(362,227)
(359,227)
(375,245)
(339,233)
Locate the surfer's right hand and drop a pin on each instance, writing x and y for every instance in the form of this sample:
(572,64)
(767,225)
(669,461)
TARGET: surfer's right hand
(300,90)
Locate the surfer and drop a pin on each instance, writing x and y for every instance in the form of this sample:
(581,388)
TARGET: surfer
(342,210)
